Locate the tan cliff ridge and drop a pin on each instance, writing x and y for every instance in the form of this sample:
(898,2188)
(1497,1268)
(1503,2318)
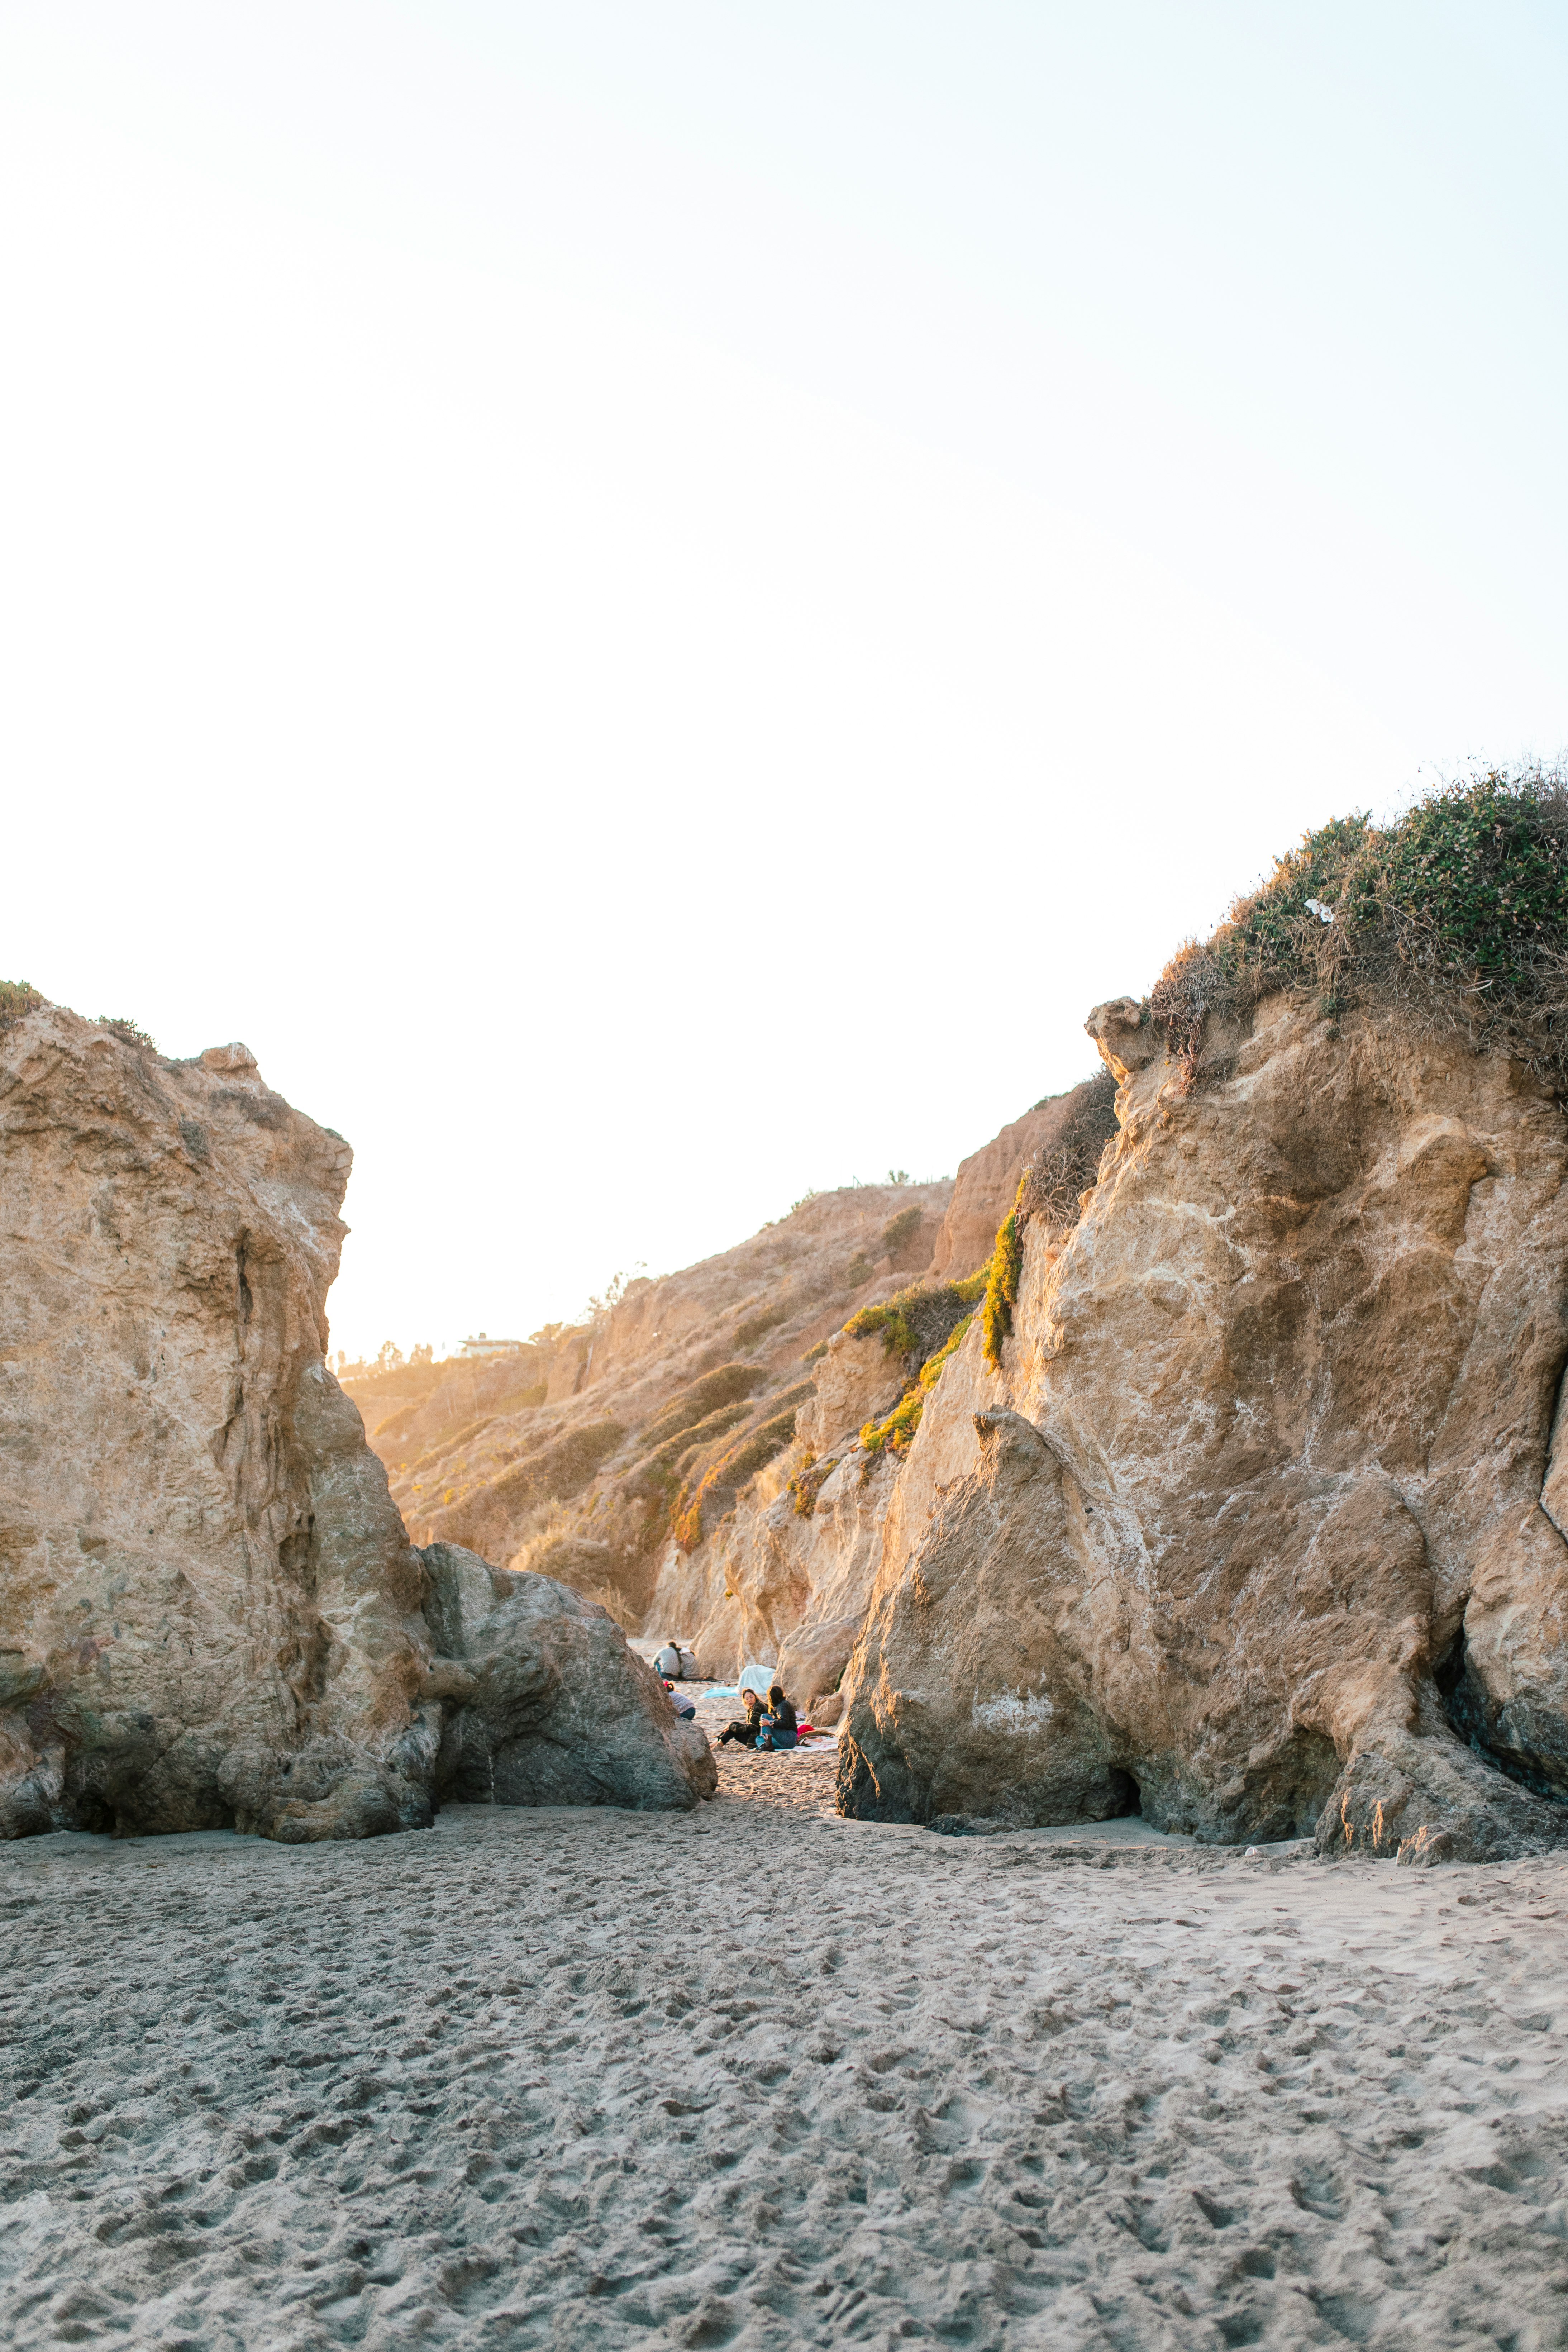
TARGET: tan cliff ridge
(1240,1503)
(648,1460)
(210,1611)
(577,1457)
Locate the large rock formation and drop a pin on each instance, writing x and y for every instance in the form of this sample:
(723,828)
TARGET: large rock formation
(210,1611)
(1257,1528)
(582,1455)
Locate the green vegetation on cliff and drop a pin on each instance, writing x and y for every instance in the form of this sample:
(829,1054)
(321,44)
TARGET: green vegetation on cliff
(701,1504)
(917,1320)
(896,1434)
(1001,1275)
(725,1385)
(1458,910)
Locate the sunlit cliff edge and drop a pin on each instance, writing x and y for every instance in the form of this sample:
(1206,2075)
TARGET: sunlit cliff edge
(1232,1494)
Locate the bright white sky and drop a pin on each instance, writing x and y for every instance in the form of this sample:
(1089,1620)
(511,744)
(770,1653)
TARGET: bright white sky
(651,599)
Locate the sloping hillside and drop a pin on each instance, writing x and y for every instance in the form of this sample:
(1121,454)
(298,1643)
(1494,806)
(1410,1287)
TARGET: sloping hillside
(628,1457)
(582,1453)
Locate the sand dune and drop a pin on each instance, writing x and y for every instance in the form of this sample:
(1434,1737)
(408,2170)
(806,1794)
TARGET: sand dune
(757,2076)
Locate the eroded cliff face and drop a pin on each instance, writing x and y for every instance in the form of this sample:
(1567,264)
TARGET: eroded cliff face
(1257,1527)
(574,1459)
(210,1612)
(786,1578)
(987,1180)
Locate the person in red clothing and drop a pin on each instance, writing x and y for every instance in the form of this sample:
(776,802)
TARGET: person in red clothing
(685,1708)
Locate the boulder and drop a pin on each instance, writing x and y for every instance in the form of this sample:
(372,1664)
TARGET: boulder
(543,1703)
(816,1655)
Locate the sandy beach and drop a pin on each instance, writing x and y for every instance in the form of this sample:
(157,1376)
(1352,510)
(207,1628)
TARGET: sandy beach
(757,2076)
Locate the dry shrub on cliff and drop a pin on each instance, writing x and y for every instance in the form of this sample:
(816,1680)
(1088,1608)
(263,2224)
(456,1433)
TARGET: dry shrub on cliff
(702,1397)
(751,1328)
(1053,1185)
(655,1474)
(446,1444)
(560,1549)
(705,1498)
(130,1034)
(1457,911)
(556,1470)
(902,1229)
(17,999)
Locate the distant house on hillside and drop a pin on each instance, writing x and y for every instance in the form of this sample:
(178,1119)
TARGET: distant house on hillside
(483,1346)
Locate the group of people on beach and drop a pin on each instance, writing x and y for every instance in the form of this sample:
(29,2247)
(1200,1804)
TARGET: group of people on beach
(770,1723)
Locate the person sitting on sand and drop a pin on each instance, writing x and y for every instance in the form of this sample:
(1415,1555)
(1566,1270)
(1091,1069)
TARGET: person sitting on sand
(685,1708)
(779,1727)
(744,1729)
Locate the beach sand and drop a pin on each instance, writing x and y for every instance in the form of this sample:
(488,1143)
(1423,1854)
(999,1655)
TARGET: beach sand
(756,2076)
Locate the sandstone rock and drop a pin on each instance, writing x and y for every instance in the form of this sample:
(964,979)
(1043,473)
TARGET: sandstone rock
(813,1656)
(210,1612)
(570,1444)
(1127,1039)
(202,1575)
(988,1179)
(856,1381)
(554,1709)
(1249,1532)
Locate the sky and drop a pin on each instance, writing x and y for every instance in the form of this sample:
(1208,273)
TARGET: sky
(650,600)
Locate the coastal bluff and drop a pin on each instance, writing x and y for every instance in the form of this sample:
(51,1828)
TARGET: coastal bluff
(1255,1525)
